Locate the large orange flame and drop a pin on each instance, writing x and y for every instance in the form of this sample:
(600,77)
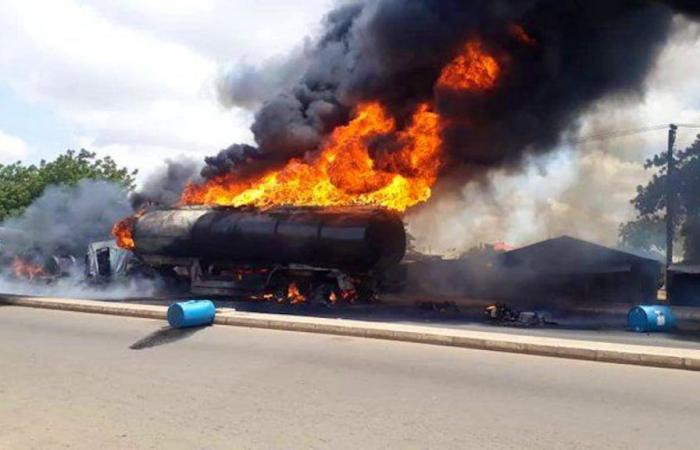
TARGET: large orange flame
(472,70)
(343,172)
(353,167)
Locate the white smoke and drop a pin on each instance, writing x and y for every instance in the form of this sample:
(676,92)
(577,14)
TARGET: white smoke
(75,286)
(64,220)
(582,190)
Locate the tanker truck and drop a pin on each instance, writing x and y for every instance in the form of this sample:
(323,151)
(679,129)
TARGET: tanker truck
(297,253)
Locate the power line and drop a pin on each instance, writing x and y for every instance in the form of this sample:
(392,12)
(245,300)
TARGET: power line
(618,133)
(629,132)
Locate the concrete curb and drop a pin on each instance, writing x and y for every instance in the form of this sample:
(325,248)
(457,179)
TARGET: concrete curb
(685,313)
(87,306)
(672,358)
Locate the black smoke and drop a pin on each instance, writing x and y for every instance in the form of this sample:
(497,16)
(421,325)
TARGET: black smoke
(394,50)
(164,187)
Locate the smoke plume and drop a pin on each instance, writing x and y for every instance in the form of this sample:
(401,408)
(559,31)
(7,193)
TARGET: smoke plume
(65,219)
(583,189)
(558,58)
(74,286)
(249,87)
(165,186)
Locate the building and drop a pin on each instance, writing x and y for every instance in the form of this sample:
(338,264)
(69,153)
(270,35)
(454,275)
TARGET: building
(573,270)
(684,285)
(557,272)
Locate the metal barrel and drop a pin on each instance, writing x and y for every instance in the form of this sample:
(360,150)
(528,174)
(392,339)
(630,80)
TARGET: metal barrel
(192,313)
(354,238)
(646,318)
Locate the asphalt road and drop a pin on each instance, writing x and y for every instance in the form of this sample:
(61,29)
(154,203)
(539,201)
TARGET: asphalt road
(610,327)
(70,380)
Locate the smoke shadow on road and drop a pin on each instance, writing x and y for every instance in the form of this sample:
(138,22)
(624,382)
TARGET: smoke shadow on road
(165,335)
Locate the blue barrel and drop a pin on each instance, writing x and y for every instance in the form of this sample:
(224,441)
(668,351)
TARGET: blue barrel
(193,313)
(645,318)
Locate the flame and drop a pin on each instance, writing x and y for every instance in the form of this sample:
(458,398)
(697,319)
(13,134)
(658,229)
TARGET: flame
(519,33)
(353,166)
(472,70)
(502,246)
(26,269)
(293,294)
(123,231)
(349,295)
(343,172)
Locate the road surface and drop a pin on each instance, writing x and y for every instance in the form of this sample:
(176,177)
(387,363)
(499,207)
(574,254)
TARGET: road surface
(569,325)
(71,380)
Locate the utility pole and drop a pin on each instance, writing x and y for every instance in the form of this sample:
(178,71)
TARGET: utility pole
(670,197)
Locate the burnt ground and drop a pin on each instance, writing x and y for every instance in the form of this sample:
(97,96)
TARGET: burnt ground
(606,323)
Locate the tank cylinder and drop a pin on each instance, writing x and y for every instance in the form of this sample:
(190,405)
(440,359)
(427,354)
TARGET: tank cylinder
(344,238)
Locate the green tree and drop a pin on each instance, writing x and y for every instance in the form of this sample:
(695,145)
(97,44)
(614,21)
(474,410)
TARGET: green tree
(644,233)
(650,202)
(21,184)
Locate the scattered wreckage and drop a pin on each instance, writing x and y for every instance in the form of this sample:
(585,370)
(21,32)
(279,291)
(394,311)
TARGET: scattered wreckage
(24,262)
(504,315)
(104,262)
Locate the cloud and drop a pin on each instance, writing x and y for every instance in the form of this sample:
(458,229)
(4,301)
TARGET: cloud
(69,54)
(138,79)
(223,30)
(12,148)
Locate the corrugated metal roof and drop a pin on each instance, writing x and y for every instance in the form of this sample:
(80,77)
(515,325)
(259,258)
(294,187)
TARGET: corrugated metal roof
(568,254)
(692,269)
(572,242)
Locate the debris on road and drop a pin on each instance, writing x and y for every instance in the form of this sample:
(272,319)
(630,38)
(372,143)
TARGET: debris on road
(648,318)
(504,315)
(193,313)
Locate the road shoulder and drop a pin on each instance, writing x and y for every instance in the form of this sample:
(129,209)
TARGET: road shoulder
(674,358)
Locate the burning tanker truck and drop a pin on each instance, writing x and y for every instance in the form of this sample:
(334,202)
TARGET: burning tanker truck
(389,98)
(284,253)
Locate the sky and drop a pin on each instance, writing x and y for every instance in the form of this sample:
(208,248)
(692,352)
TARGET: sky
(134,79)
(578,190)
(137,79)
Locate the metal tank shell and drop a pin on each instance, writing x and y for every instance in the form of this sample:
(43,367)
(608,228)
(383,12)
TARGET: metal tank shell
(346,238)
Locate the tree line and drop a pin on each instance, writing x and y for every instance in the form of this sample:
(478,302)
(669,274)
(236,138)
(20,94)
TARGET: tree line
(648,230)
(21,184)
